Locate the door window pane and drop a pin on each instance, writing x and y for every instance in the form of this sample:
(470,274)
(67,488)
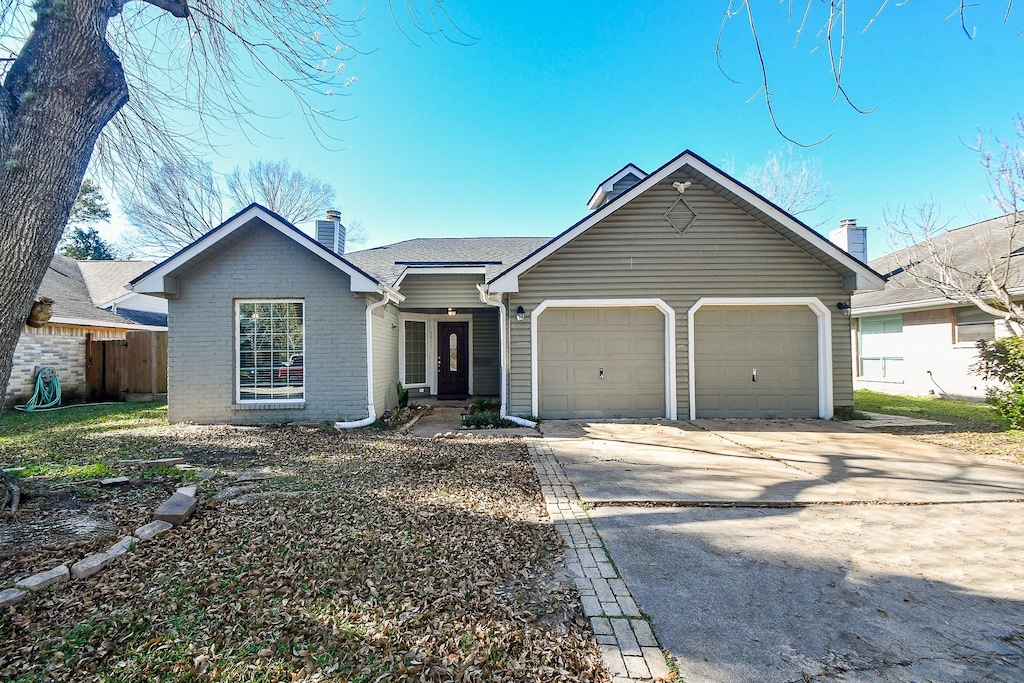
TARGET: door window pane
(453,352)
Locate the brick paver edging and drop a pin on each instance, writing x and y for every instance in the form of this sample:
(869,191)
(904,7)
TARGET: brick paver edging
(628,647)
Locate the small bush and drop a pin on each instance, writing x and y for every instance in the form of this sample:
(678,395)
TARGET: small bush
(844,413)
(403,396)
(482,420)
(483,405)
(1003,360)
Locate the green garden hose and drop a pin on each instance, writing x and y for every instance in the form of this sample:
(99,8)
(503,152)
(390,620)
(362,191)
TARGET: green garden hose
(47,393)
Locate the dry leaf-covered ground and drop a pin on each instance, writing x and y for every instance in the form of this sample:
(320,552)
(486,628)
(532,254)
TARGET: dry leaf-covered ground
(402,559)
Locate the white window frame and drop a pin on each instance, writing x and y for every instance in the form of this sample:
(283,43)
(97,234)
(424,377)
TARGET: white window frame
(884,360)
(973,323)
(431,320)
(238,351)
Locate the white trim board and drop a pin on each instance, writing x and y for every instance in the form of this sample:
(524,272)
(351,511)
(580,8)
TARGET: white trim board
(820,310)
(865,278)
(670,342)
(439,270)
(431,320)
(154,281)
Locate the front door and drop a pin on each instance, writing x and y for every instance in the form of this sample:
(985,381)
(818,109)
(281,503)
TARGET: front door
(452,360)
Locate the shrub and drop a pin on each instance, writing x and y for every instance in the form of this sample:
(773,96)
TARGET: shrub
(481,420)
(483,405)
(403,396)
(1003,360)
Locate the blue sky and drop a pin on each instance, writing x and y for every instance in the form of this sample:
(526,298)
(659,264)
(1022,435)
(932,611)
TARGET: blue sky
(509,135)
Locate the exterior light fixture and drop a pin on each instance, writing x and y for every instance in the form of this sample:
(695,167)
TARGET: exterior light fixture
(844,308)
(520,314)
(451,311)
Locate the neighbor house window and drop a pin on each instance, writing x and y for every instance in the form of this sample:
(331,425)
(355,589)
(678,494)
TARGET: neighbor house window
(271,348)
(415,352)
(974,324)
(880,347)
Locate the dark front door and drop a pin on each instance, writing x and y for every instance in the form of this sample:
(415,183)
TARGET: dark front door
(452,359)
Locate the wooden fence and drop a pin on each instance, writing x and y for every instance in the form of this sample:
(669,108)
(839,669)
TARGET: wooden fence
(124,370)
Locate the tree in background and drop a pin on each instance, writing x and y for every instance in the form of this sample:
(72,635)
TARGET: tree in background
(290,193)
(176,203)
(180,202)
(127,82)
(81,241)
(925,253)
(85,244)
(794,183)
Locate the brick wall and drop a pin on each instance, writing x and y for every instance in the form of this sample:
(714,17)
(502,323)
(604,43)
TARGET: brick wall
(255,263)
(61,347)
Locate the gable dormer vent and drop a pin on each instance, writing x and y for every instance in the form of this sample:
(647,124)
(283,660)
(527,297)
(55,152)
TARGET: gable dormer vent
(614,185)
(331,233)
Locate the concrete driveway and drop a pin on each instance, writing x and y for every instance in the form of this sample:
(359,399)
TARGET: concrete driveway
(808,550)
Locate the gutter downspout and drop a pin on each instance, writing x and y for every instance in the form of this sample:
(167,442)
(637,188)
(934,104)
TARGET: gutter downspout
(371,412)
(503,346)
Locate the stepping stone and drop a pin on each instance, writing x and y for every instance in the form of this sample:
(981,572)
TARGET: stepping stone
(88,566)
(232,491)
(114,481)
(122,547)
(188,491)
(159,462)
(206,474)
(38,582)
(176,509)
(150,531)
(12,596)
(253,476)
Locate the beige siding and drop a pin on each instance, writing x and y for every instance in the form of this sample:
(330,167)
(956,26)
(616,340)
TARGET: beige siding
(635,253)
(486,353)
(385,358)
(440,291)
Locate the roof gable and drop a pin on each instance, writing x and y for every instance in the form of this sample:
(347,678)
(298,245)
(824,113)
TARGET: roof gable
(861,276)
(159,278)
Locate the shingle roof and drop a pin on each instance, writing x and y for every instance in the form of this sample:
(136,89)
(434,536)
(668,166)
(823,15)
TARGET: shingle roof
(970,247)
(63,282)
(387,263)
(106,280)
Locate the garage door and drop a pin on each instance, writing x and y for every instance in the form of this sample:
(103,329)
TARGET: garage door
(601,362)
(756,361)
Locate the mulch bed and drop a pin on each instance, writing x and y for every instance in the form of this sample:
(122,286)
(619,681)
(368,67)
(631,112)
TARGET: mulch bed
(402,559)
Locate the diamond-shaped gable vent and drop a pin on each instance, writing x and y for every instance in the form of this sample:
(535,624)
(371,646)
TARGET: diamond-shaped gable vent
(680,215)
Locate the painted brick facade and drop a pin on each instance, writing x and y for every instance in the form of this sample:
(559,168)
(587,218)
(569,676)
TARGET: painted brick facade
(263,264)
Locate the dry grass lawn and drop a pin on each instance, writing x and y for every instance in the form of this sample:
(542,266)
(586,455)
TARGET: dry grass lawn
(394,559)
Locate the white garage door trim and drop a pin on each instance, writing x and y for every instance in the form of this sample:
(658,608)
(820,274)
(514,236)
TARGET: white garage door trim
(670,341)
(824,342)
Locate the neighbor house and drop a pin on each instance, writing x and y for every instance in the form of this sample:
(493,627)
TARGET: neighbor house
(681,294)
(911,339)
(90,302)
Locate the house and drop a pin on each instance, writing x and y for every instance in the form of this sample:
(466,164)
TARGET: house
(90,302)
(911,339)
(681,294)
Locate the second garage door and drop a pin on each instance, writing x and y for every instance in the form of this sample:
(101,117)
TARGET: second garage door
(756,361)
(601,362)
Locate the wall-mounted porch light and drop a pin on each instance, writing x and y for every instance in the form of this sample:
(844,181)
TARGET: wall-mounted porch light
(451,311)
(520,314)
(844,308)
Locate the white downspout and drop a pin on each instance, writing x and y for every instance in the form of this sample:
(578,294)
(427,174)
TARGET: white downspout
(503,349)
(371,413)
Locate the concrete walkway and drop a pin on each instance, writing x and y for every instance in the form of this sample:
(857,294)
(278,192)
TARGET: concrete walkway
(783,551)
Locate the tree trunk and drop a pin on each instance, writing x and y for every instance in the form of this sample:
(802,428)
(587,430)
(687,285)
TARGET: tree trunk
(62,89)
